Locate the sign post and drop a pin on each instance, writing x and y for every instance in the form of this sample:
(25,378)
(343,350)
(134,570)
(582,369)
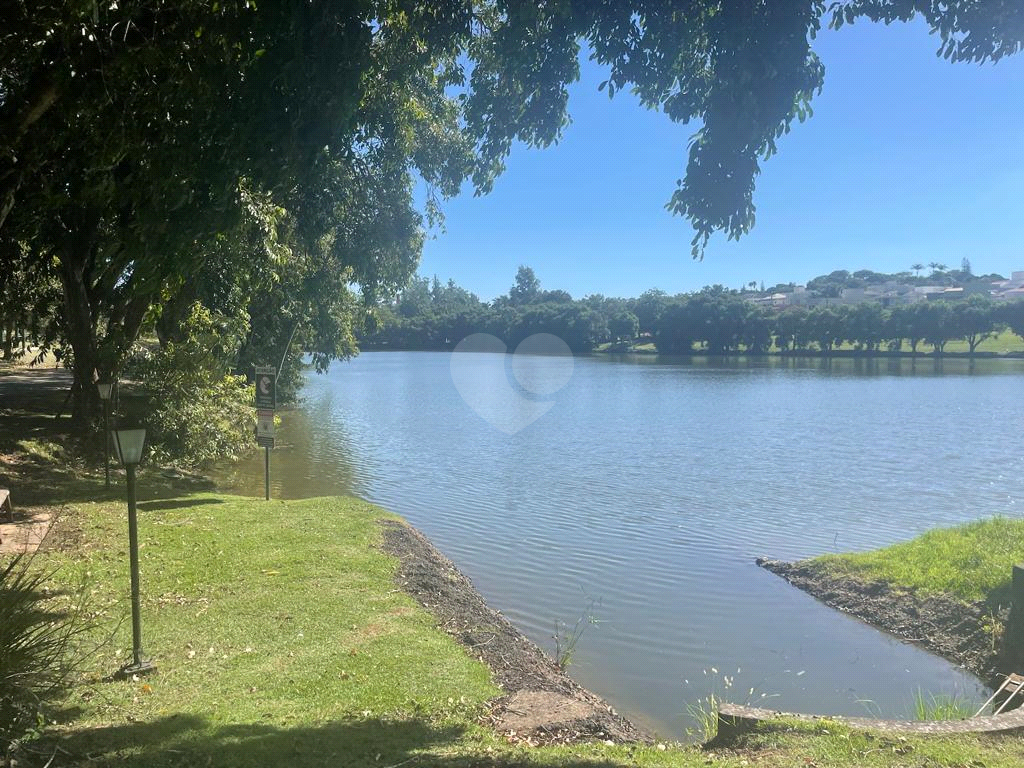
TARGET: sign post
(266,402)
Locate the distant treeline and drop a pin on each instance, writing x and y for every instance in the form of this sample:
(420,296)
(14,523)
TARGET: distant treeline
(433,315)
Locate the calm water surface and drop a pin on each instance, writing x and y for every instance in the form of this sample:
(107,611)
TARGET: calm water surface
(643,495)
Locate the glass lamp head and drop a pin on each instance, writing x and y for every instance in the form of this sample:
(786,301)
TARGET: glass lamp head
(128,444)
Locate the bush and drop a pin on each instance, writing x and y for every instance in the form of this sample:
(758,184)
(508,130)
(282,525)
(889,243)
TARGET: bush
(196,412)
(34,651)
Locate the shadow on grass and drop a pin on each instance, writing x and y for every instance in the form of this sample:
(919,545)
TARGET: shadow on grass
(45,461)
(187,740)
(150,506)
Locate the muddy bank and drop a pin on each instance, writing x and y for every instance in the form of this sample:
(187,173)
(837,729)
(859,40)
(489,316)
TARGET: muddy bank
(960,632)
(541,703)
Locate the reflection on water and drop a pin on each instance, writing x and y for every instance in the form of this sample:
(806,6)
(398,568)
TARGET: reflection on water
(649,487)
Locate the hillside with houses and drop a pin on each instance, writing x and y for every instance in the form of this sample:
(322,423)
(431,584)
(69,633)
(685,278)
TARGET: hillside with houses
(845,288)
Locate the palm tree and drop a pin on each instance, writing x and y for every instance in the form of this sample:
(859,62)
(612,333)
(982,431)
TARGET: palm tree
(917,267)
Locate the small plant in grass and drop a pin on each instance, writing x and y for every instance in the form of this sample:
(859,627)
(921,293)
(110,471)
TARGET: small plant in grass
(942,706)
(566,638)
(994,628)
(704,711)
(34,650)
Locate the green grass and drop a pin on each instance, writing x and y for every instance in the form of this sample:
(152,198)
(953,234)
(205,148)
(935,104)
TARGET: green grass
(942,706)
(282,640)
(972,562)
(827,744)
(1005,342)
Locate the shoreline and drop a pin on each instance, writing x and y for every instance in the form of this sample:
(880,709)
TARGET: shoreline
(541,704)
(959,632)
(814,354)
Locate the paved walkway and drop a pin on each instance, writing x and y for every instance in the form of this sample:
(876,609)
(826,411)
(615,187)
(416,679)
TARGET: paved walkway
(19,385)
(25,534)
(24,392)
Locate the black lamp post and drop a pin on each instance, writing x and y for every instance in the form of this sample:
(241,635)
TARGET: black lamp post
(104,390)
(128,443)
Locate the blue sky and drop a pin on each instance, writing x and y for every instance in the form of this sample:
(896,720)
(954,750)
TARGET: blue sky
(908,158)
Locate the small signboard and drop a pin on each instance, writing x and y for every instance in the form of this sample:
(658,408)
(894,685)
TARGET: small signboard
(266,388)
(265,428)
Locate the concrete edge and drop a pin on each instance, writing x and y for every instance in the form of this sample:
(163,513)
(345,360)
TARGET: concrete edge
(734,719)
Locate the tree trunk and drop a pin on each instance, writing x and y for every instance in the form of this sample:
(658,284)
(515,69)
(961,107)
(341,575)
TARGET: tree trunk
(81,332)
(174,312)
(8,340)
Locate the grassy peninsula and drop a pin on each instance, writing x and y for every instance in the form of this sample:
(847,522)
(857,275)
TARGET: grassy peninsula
(971,562)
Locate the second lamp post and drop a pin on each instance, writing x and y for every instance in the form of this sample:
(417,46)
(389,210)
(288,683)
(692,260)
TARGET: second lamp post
(128,443)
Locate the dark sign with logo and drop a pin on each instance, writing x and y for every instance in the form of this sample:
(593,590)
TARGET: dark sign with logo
(266,388)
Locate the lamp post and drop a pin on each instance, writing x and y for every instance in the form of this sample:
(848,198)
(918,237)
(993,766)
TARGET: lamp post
(128,443)
(104,390)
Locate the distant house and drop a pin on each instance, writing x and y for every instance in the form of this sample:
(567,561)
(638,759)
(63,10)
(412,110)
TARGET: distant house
(773,301)
(945,294)
(1009,290)
(1014,294)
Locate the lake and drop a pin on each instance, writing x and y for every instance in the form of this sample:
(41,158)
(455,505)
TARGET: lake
(635,493)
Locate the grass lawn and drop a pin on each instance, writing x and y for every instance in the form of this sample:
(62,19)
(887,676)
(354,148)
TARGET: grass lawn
(1005,342)
(972,562)
(282,640)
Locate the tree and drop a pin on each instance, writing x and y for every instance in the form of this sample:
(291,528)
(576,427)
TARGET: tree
(975,320)
(937,318)
(965,267)
(579,327)
(866,325)
(623,325)
(526,288)
(917,267)
(675,329)
(757,331)
(718,318)
(791,329)
(415,298)
(825,325)
(215,113)
(1012,314)
(648,308)
(910,322)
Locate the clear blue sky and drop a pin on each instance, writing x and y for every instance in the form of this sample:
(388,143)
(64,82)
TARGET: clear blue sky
(908,158)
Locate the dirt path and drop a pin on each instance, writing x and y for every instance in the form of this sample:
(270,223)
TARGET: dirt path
(542,704)
(957,631)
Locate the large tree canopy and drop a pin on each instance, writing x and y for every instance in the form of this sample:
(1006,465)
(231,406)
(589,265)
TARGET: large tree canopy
(261,156)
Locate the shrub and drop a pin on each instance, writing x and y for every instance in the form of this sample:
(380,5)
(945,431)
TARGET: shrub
(35,658)
(196,412)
